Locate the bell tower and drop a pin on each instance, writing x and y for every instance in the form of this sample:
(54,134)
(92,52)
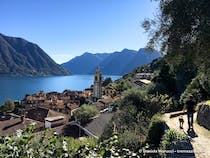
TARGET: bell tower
(97,88)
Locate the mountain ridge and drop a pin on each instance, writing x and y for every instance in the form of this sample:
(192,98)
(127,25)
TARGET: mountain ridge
(116,63)
(18,57)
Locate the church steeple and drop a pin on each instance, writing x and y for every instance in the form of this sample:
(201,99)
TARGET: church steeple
(97,88)
(97,69)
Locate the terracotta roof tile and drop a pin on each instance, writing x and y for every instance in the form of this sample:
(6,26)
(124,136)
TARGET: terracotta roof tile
(9,127)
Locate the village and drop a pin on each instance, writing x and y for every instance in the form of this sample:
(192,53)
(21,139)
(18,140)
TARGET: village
(56,110)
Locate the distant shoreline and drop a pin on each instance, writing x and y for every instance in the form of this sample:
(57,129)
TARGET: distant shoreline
(16,88)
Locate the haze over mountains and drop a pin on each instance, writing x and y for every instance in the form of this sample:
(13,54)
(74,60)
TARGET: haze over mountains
(116,63)
(19,57)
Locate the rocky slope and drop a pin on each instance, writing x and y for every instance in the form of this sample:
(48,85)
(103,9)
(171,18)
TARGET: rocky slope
(203,116)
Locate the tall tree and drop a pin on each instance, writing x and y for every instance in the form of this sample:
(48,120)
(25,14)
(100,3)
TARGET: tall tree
(180,25)
(181,30)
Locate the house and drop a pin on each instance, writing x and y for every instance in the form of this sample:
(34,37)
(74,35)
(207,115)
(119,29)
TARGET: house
(109,91)
(106,100)
(72,106)
(99,105)
(97,126)
(8,116)
(147,76)
(54,100)
(43,117)
(93,129)
(54,121)
(141,82)
(88,92)
(103,103)
(40,113)
(9,127)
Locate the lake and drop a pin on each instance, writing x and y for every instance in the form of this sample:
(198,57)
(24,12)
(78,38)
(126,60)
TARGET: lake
(16,87)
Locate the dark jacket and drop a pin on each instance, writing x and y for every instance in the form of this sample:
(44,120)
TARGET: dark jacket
(190,105)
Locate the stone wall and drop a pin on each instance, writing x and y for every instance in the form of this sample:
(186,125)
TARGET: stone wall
(203,116)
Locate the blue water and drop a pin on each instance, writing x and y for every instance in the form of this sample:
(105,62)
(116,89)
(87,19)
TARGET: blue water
(16,87)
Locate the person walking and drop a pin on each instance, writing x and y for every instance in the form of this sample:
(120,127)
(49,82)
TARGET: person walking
(190,106)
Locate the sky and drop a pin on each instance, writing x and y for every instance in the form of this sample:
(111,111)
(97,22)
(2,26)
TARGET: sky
(68,28)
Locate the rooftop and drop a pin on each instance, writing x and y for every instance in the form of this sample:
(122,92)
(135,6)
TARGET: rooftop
(98,124)
(41,113)
(9,127)
(145,81)
(55,118)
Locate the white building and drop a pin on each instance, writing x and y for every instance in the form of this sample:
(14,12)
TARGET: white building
(54,121)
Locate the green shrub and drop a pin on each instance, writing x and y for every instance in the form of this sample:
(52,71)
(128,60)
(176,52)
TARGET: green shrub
(150,104)
(129,139)
(125,118)
(156,130)
(49,145)
(122,85)
(85,113)
(199,89)
(107,81)
(108,131)
(172,138)
(165,81)
(8,106)
(134,97)
(128,119)
(158,103)
(74,145)
(156,88)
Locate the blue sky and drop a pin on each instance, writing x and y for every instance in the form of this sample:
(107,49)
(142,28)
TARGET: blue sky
(68,28)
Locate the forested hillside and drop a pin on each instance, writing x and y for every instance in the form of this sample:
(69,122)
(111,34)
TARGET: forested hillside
(19,57)
(116,63)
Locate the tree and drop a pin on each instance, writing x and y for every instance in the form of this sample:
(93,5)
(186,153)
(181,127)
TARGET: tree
(107,81)
(129,139)
(156,130)
(85,113)
(166,78)
(134,97)
(8,106)
(180,25)
(122,85)
(199,89)
(181,31)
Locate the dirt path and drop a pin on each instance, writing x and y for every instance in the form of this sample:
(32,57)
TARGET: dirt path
(200,141)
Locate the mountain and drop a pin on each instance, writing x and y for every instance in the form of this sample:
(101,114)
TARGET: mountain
(116,63)
(19,57)
(86,63)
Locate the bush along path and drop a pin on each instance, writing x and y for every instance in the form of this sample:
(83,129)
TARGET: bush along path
(199,136)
